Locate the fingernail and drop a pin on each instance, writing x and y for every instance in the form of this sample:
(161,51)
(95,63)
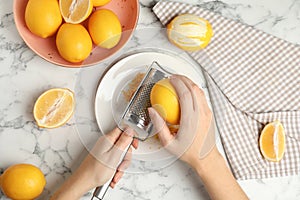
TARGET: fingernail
(117,178)
(151,112)
(173,77)
(112,185)
(129,131)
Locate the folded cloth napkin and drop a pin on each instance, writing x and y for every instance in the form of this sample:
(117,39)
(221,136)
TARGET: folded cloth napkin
(253,79)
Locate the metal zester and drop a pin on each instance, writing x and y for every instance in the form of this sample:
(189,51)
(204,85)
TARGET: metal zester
(136,114)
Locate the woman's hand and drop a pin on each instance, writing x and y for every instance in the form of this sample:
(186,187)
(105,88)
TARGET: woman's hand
(104,158)
(99,165)
(194,142)
(196,125)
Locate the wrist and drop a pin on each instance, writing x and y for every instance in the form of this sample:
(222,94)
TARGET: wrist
(208,163)
(69,190)
(74,187)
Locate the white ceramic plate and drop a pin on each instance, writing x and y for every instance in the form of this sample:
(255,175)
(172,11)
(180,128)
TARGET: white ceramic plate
(110,103)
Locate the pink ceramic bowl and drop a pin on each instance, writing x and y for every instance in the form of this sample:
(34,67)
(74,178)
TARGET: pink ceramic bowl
(126,10)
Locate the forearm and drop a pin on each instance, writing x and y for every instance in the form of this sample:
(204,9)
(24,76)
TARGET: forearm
(78,183)
(73,188)
(217,178)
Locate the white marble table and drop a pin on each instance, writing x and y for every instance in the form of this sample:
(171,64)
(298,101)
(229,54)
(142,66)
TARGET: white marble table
(24,75)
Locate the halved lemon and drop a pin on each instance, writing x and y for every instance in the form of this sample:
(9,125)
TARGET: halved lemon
(272,141)
(75,11)
(189,32)
(54,107)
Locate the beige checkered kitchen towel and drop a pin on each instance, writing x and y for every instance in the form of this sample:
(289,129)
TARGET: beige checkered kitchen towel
(253,79)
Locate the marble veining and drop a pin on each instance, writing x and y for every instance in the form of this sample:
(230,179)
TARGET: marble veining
(58,152)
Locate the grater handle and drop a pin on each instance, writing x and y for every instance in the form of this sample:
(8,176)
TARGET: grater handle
(100,191)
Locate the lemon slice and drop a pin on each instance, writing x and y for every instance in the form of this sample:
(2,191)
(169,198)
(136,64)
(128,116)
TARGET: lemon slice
(189,32)
(272,141)
(75,11)
(54,108)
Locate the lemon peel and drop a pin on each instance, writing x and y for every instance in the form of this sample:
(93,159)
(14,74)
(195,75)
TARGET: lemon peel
(189,32)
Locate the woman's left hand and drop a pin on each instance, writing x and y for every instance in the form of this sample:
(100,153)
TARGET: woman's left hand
(105,157)
(99,165)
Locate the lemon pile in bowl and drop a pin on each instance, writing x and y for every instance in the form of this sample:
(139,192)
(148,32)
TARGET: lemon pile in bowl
(77,25)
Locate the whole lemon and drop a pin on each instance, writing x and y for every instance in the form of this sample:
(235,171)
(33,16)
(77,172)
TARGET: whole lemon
(22,181)
(73,42)
(164,99)
(100,2)
(43,17)
(105,28)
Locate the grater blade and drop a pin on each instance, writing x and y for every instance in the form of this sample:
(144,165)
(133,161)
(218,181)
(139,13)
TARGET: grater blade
(136,115)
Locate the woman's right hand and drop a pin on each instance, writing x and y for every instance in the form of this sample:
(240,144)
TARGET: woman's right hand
(195,123)
(194,142)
